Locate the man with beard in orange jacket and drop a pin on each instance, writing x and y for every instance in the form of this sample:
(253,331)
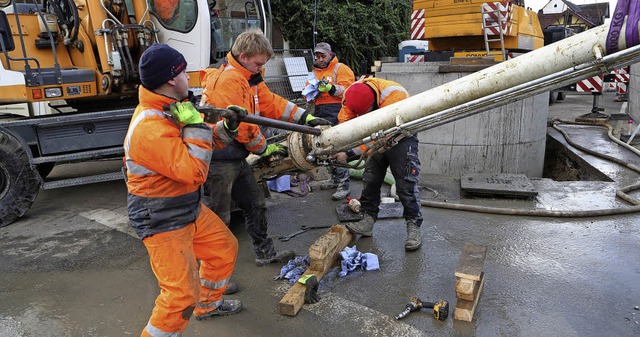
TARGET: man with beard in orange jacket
(334,78)
(167,155)
(240,83)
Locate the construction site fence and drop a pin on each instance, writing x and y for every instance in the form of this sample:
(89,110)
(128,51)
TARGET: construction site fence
(286,72)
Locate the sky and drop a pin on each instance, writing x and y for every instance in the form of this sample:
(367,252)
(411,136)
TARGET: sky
(538,4)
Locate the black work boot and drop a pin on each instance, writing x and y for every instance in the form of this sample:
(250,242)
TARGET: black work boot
(414,238)
(278,257)
(363,227)
(226,308)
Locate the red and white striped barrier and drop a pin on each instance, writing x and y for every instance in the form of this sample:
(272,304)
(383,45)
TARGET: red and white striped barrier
(593,84)
(413,58)
(417,24)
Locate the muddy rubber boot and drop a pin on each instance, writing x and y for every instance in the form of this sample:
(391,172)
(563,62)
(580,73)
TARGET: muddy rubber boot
(414,238)
(279,257)
(226,308)
(232,288)
(342,177)
(363,227)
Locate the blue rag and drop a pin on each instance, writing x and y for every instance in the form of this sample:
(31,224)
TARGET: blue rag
(353,259)
(294,269)
(310,92)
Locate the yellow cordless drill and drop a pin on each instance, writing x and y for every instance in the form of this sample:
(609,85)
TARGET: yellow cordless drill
(440,308)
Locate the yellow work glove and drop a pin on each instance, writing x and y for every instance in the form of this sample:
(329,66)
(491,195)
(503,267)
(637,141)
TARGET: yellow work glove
(273,149)
(324,87)
(315,121)
(185,113)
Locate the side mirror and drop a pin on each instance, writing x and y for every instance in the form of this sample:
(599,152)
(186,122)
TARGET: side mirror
(5,33)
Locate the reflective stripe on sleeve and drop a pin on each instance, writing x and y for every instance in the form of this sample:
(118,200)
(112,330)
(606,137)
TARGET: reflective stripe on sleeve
(221,132)
(387,91)
(138,169)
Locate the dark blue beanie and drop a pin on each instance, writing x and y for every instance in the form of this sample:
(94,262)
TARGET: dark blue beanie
(159,64)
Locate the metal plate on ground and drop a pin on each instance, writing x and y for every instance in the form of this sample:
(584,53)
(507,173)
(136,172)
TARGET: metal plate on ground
(509,185)
(387,211)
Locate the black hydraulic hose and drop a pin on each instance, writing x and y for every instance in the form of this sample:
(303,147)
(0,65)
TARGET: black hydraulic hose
(131,64)
(117,43)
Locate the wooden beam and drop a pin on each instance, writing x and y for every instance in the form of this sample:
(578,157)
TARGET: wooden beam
(471,262)
(464,308)
(323,254)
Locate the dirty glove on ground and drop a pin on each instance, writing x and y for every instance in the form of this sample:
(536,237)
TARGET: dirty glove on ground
(273,149)
(232,121)
(315,121)
(311,292)
(185,113)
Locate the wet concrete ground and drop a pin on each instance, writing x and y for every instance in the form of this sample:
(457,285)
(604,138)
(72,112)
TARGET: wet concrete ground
(72,266)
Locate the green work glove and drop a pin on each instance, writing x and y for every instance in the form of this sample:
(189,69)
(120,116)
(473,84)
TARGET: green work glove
(324,87)
(232,121)
(273,149)
(315,121)
(185,113)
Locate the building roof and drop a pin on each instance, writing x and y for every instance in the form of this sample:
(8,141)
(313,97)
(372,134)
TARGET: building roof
(593,14)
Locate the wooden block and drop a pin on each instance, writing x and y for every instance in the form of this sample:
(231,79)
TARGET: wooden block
(375,69)
(471,262)
(464,308)
(325,251)
(465,286)
(377,63)
(323,254)
(469,294)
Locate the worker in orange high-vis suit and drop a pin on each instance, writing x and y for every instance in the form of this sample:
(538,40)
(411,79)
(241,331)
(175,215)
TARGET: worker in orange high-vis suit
(334,78)
(167,155)
(239,82)
(361,98)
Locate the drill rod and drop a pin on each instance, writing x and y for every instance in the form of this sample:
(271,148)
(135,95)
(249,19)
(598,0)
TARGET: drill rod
(259,120)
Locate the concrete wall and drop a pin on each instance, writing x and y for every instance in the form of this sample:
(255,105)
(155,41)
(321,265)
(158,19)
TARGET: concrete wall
(509,139)
(634,94)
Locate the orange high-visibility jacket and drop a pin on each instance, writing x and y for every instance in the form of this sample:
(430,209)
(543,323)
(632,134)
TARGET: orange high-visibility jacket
(337,74)
(385,93)
(230,85)
(165,8)
(166,165)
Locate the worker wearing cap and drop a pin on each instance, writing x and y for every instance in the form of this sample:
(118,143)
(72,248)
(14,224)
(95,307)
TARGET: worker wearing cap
(363,97)
(230,176)
(166,9)
(167,153)
(334,78)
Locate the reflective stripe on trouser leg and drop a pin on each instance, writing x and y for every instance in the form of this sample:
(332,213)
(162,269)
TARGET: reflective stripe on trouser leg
(174,264)
(217,249)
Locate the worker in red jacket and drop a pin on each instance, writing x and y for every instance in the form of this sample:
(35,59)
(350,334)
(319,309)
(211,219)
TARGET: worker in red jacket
(240,83)
(334,78)
(361,98)
(167,155)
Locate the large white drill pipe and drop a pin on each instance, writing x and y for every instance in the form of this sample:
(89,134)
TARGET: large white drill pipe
(588,46)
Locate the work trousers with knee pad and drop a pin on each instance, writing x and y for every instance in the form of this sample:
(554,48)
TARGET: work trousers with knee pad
(405,167)
(233,180)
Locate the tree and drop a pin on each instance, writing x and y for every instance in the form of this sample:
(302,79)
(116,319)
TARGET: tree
(358,31)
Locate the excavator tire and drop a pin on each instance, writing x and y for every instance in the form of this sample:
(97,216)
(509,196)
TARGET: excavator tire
(19,182)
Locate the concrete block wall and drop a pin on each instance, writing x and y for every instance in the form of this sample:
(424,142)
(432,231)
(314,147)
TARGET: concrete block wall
(634,93)
(508,139)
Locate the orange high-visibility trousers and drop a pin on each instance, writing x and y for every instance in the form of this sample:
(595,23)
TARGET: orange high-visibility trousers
(173,257)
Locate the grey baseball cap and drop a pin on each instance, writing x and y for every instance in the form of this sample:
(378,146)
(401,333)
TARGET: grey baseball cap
(323,47)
